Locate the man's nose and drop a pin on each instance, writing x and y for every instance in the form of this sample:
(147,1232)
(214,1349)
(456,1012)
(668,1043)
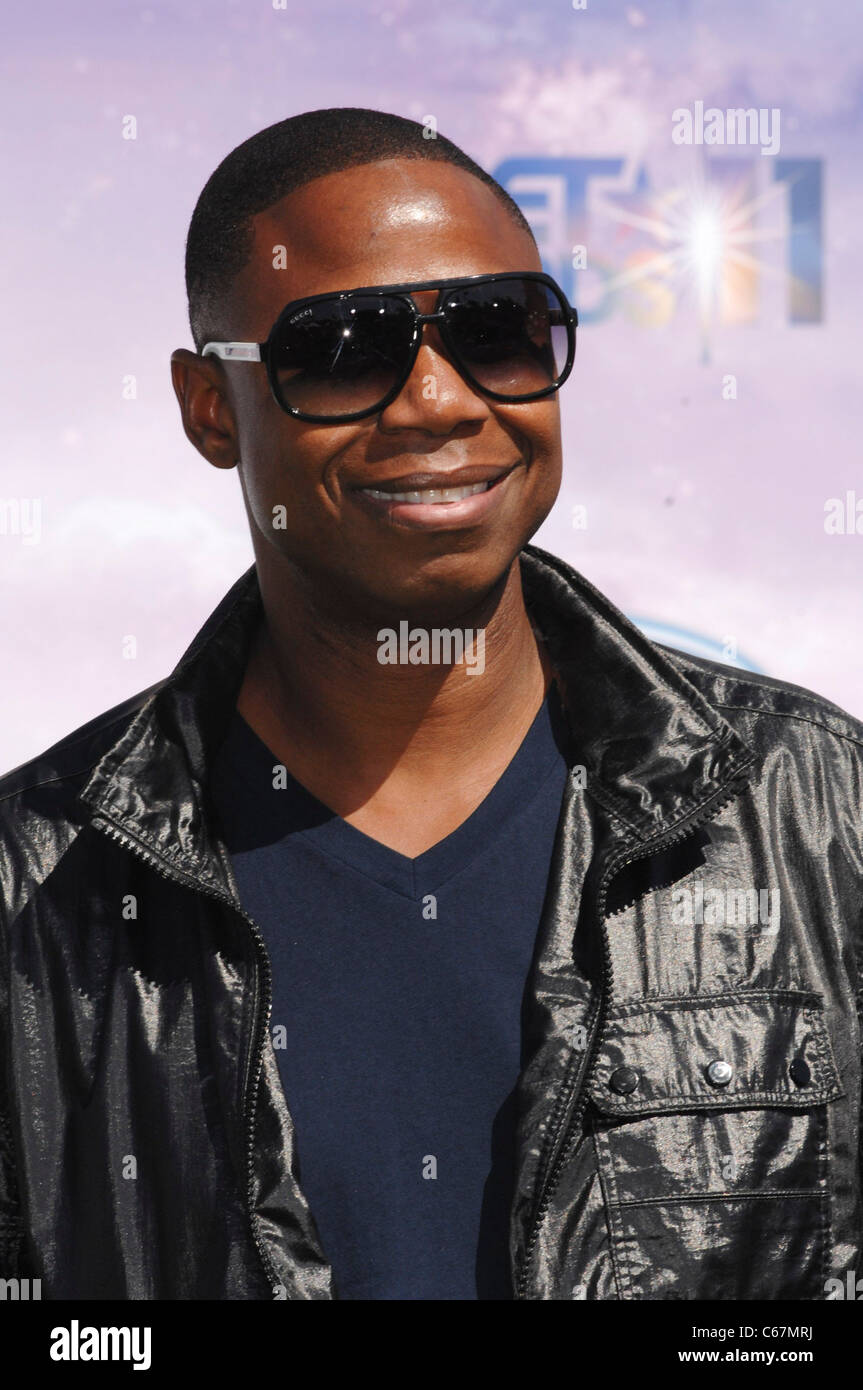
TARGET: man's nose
(435,397)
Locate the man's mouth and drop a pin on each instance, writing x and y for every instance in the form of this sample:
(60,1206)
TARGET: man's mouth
(429,496)
(427,489)
(442,501)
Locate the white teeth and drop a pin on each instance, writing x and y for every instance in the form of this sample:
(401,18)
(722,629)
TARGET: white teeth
(432,495)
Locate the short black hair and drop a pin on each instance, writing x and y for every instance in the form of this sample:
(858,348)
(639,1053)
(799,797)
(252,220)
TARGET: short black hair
(284,157)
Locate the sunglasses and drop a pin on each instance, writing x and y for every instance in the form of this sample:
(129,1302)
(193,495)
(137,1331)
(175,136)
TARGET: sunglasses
(345,355)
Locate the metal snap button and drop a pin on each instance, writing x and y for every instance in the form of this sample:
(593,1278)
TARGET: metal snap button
(623,1080)
(719,1073)
(800,1072)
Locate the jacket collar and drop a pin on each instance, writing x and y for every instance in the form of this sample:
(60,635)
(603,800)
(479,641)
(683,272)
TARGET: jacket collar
(654,750)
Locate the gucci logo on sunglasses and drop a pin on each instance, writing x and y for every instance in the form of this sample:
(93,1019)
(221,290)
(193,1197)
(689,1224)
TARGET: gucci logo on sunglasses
(345,355)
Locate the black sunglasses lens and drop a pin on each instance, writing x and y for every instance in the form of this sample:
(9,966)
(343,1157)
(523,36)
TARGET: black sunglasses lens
(510,336)
(341,356)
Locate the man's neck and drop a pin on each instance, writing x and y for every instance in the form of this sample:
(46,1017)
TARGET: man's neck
(381,742)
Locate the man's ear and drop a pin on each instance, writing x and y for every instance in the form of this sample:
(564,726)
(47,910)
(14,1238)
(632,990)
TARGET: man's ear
(199,385)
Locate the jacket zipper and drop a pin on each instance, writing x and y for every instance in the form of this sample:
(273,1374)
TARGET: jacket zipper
(255,1060)
(572,1101)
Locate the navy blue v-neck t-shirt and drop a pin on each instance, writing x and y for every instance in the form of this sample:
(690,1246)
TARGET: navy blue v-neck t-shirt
(397,997)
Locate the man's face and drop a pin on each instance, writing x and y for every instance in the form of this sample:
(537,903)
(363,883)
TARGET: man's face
(385,223)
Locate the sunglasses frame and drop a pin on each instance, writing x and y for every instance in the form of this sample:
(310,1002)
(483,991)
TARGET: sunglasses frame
(263,352)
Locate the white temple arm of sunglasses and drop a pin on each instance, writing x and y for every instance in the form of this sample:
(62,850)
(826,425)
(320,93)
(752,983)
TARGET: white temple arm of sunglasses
(234,352)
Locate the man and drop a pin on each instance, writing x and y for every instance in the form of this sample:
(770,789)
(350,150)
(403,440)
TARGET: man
(428,933)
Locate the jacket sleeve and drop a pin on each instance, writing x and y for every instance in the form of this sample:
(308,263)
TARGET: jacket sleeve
(853,832)
(10,1216)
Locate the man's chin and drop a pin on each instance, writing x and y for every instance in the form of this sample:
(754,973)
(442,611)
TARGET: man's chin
(453,583)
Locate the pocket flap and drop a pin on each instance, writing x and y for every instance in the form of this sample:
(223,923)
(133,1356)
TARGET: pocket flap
(726,1051)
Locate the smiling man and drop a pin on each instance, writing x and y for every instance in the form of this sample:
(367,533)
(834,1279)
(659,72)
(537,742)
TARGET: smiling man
(353,959)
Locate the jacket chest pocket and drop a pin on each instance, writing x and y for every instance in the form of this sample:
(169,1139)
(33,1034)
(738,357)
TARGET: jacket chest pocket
(710,1124)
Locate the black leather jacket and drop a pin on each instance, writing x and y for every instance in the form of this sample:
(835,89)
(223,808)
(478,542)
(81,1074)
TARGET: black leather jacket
(689,1104)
